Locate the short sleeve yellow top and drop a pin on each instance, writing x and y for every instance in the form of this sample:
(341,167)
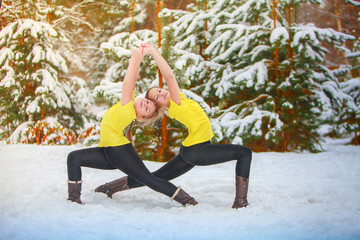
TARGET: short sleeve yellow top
(113,123)
(191,114)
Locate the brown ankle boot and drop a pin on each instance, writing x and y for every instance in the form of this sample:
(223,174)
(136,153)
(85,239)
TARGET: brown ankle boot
(241,192)
(110,188)
(74,190)
(182,197)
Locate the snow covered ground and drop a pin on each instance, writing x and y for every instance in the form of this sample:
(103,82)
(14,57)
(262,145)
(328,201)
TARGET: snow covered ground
(291,195)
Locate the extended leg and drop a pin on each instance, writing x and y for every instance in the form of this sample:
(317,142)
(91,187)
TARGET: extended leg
(127,160)
(172,169)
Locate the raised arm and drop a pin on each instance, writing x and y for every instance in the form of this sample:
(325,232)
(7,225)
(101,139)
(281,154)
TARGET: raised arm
(131,76)
(166,72)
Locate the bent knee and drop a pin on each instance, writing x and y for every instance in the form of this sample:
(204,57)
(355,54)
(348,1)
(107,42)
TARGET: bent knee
(72,158)
(247,152)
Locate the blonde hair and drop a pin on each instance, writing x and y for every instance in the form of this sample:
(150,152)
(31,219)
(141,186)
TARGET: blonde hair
(161,110)
(158,114)
(147,92)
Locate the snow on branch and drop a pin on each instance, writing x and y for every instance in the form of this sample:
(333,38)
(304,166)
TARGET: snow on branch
(353,2)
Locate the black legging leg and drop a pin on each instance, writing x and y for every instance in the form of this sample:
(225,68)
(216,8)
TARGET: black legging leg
(127,160)
(123,158)
(203,155)
(172,169)
(88,157)
(209,154)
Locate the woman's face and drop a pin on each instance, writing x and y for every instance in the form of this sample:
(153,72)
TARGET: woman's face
(144,108)
(160,96)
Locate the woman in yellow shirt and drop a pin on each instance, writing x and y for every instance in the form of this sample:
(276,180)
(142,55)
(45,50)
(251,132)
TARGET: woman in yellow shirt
(115,151)
(197,149)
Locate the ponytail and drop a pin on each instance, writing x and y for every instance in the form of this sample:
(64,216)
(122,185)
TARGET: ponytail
(129,135)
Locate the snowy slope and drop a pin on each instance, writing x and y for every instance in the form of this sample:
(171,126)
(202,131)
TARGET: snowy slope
(292,196)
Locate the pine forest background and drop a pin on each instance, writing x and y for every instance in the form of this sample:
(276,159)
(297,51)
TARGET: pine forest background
(273,75)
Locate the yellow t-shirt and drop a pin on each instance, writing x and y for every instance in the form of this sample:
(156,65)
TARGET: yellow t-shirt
(191,114)
(113,123)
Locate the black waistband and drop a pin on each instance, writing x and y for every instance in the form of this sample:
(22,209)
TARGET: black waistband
(203,143)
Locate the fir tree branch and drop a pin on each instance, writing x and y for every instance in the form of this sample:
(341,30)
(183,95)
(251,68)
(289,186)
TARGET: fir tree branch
(251,103)
(71,17)
(5,7)
(353,2)
(177,129)
(310,134)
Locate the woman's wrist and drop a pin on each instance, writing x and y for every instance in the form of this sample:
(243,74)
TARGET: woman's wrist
(136,52)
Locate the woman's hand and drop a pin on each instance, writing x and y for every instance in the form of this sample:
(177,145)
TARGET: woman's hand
(165,70)
(147,48)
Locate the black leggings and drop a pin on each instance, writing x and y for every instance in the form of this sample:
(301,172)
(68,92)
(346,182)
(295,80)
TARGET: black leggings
(123,158)
(203,154)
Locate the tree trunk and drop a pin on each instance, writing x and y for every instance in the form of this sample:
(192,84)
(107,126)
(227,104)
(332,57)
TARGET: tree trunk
(337,8)
(338,22)
(356,142)
(49,15)
(276,50)
(163,147)
(132,15)
(290,52)
(206,28)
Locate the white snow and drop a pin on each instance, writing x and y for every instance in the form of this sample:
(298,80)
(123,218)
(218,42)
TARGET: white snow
(291,195)
(5,55)
(33,107)
(279,34)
